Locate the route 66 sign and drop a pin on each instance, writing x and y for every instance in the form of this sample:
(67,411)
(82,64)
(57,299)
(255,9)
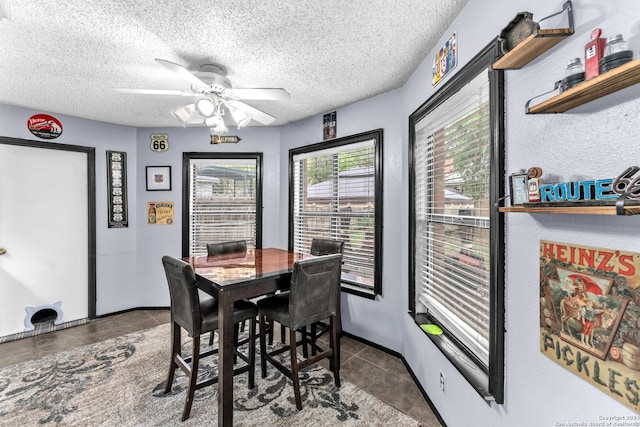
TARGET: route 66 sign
(159,142)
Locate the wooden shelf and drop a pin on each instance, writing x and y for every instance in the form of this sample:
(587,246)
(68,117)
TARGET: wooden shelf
(631,207)
(531,47)
(612,81)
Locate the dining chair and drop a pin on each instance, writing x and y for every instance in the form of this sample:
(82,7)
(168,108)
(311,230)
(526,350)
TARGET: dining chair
(220,248)
(312,296)
(322,247)
(223,248)
(198,315)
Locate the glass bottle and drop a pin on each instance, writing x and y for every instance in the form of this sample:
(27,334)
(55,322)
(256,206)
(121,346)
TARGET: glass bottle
(615,44)
(574,66)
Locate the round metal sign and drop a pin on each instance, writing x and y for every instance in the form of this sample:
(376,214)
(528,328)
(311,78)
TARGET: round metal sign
(44,126)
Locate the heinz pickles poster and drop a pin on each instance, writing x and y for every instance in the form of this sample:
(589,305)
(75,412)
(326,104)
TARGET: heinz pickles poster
(590,316)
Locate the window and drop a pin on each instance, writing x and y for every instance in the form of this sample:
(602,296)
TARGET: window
(336,193)
(456,252)
(222,200)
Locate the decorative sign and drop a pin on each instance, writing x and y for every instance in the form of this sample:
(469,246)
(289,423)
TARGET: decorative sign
(590,316)
(626,184)
(160,212)
(44,126)
(159,142)
(232,139)
(445,60)
(329,125)
(117,188)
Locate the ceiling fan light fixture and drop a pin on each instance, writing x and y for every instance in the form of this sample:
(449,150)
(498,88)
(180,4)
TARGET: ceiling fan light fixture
(241,118)
(206,107)
(184,113)
(216,125)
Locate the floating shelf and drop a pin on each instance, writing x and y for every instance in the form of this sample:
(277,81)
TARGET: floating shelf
(531,47)
(631,207)
(612,81)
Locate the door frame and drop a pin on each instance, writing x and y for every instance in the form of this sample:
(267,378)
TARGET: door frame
(91,199)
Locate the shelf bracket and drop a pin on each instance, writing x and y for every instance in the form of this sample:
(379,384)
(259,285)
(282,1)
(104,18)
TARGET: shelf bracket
(556,85)
(566,6)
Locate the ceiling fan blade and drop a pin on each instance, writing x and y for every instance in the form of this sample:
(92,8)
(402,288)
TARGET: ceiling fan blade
(270,94)
(182,72)
(257,115)
(155,91)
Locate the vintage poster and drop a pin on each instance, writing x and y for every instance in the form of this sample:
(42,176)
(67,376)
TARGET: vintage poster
(590,314)
(160,212)
(444,60)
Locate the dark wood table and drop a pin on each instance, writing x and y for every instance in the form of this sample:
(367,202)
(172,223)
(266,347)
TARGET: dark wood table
(231,277)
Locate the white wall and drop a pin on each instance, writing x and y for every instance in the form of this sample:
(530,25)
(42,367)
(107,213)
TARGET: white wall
(115,248)
(376,320)
(596,144)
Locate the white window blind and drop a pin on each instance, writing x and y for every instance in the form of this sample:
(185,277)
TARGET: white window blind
(452,241)
(222,202)
(334,198)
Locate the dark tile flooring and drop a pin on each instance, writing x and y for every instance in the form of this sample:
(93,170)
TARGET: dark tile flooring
(373,370)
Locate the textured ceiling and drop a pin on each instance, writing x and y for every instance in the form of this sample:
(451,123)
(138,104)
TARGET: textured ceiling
(67,56)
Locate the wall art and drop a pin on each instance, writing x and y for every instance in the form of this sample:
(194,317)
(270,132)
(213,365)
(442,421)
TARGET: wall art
(590,316)
(117,189)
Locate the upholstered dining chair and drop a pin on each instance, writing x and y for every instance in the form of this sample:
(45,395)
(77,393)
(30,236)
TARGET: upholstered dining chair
(312,296)
(219,248)
(322,247)
(223,248)
(198,315)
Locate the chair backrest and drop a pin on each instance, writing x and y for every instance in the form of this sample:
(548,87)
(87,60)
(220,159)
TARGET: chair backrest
(226,247)
(326,247)
(313,294)
(185,302)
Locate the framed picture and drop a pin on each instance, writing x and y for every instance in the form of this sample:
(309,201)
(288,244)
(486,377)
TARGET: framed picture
(158,178)
(117,188)
(519,183)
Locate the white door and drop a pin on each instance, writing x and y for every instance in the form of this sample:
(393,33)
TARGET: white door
(44,231)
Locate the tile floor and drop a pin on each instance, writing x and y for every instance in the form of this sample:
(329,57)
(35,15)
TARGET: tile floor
(373,370)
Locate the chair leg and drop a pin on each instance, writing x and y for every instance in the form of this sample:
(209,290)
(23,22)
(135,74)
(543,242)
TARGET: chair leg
(335,345)
(236,338)
(211,337)
(270,332)
(263,344)
(175,349)
(193,377)
(305,342)
(294,368)
(252,352)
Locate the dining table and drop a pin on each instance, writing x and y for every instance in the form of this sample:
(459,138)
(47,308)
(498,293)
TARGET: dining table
(232,277)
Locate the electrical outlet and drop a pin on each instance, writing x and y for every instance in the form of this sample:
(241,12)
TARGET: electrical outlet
(443,382)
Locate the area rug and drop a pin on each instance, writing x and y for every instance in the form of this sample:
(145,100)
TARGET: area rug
(120,382)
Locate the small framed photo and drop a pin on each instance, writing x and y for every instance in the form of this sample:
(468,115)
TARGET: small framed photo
(158,178)
(519,183)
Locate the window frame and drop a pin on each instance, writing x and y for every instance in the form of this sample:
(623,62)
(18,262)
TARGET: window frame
(489,383)
(376,135)
(186,185)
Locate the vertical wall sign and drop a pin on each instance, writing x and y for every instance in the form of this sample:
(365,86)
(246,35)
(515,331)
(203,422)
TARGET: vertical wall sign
(590,316)
(117,189)
(445,60)
(329,124)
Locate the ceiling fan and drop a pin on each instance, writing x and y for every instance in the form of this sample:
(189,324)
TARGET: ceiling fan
(216,98)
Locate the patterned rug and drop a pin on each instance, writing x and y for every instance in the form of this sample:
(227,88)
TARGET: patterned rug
(119,382)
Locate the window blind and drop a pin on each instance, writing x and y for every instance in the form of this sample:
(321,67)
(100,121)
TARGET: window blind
(222,202)
(452,240)
(334,198)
